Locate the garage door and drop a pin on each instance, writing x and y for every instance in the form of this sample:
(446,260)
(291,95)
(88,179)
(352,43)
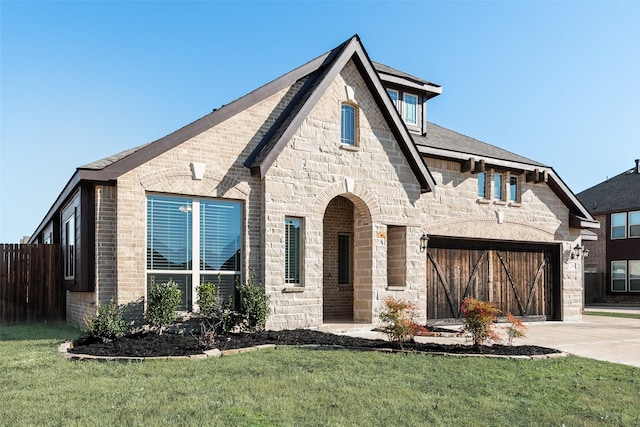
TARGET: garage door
(518,278)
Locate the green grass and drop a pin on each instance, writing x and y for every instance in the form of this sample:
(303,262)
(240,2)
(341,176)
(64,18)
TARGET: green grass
(296,387)
(612,314)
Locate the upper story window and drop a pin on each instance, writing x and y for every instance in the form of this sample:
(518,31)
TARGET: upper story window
(410,113)
(482,185)
(348,124)
(634,224)
(497,186)
(393,94)
(619,225)
(513,189)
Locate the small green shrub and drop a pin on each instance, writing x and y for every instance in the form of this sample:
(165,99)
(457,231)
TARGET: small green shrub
(398,320)
(220,316)
(164,301)
(254,306)
(109,323)
(478,319)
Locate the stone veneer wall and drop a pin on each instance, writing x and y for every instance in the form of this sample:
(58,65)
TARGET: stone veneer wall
(454,210)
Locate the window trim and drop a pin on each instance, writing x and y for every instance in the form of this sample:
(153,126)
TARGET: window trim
(355,125)
(500,196)
(482,187)
(624,227)
(397,97)
(513,198)
(69,259)
(287,251)
(634,261)
(626,276)
(629,224)
(196,272)
(405,95)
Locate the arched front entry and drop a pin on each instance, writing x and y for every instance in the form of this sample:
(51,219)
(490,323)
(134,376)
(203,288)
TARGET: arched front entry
(347,290)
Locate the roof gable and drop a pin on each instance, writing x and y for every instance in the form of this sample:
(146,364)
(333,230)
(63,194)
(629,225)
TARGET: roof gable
(274,142)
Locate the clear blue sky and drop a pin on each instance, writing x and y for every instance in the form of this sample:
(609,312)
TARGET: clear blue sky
(558,82)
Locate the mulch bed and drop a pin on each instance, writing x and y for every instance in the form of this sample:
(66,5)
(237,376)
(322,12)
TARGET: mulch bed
(168,344)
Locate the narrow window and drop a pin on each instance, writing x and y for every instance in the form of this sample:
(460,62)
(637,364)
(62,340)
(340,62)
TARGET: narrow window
(348,125)
(482,185)
(634,276)
(293,251)
(410,109)
(497,186)
(634,224)
(69,247)
(619,276)
(344,257)
(513,189)
(393,94)
(619,225)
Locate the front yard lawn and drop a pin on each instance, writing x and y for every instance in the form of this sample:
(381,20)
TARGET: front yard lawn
(291,386)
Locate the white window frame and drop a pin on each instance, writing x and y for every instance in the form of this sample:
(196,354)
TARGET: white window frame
(634,265)
(482,185)
(514,183)
(497,192)
(626,274)
(404,109)
(633,214)
(195,273)
(624,226)
(396,94)
(354,125)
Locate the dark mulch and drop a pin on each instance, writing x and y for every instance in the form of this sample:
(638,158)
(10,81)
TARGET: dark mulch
(167,344)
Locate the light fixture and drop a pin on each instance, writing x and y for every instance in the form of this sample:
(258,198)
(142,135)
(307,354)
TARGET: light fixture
(424,241)
(585,252)
(576,251)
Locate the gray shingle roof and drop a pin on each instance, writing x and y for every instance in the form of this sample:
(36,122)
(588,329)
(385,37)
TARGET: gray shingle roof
(446,139)
(381,68)
(103,163)
(620,193)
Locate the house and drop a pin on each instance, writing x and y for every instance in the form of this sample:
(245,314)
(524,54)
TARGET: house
(329,186)
(612,270)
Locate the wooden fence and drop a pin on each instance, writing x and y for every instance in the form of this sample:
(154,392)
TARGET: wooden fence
(594,288)
(31,288)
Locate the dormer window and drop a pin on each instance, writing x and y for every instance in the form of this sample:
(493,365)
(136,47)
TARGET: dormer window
(348,124)
(410,113)
(393,94)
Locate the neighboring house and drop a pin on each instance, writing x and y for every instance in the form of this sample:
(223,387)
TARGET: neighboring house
(325,185)
(612,270)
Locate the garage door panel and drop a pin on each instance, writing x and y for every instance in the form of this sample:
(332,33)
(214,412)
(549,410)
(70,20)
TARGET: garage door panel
(515,280)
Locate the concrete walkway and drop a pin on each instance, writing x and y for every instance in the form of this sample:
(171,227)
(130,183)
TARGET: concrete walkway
(611,339)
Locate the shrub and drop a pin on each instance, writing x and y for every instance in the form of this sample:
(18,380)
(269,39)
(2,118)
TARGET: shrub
(220,316)
(108,324)
(515,329)
(254,306)
(478,318)
(398,319)
(164,301)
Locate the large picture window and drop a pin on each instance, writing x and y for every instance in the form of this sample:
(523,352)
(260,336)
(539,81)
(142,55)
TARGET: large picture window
(292,251)
(193,241)
(619,225)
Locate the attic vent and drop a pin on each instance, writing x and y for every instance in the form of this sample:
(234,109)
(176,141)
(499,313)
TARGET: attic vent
(637,171)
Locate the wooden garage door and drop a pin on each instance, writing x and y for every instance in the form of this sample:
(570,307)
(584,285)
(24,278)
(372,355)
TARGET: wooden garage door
(516,278)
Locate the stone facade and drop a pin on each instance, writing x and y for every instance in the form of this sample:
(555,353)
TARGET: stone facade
(367,191)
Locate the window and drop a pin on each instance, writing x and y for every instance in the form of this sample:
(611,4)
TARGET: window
(634,276)
(619,276)
(69,246)
(393,94)
(513,189)
(348,125)
(634,224)
(193,241)
(292,251)
(344,257)
(410,109)
(497,186)
(482,185)
(618,225)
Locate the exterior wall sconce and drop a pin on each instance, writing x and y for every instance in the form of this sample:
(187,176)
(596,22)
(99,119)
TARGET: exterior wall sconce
(575,253)
(424,241)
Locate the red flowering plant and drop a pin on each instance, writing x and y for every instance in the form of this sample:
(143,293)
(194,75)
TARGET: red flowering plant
(478,319)
(515,329)
(398,318)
